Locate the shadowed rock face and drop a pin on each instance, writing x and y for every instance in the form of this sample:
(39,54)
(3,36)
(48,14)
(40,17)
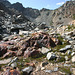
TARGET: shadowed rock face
(6,2)
(3,49)
(4,8)
(18,6)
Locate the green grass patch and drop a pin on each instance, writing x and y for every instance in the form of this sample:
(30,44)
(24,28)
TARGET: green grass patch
(40,58)
(66,70)
(60,46)
(73,16)
(70,27)
(62,59)
(21,35)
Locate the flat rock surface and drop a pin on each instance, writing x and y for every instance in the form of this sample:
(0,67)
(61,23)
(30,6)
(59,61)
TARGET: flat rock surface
(5,61)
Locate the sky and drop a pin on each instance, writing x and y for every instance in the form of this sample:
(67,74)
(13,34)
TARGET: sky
(39,4)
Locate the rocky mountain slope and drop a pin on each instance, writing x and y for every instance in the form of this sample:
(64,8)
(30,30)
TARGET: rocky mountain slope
(62,15)
(27,48)
(11,20)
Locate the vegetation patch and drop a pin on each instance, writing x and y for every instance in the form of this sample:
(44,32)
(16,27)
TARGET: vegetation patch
(62,59)
(66,70)
(70,27)
(74,16)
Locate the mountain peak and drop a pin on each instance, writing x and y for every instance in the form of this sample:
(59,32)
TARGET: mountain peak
(44,9)
(6,3)
(3,0)
(18,3)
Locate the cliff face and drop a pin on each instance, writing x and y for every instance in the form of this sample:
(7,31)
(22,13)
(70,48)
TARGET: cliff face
(8,18)
(62,15)
(45,16)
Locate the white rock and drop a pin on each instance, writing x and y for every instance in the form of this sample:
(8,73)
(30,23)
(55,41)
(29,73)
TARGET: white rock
(68,65)
(73,53)
(43,68)
(27,70)
(55,69)
(5,61)
(48,71)
(73,59)
(45,50)
(51,55)
(66,58)
(14,64)
(68,52)
(65,48)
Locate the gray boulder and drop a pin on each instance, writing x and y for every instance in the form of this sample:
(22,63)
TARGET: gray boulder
(73,53)
(51,56)
(27,70)
(44,64)
(55,69)
(6,39)
(42,25)
(13,60)
(14,64)
(68,52)
(65,48)
(45,50)
(66,58)
(48,71)
(73,59)
(5,61)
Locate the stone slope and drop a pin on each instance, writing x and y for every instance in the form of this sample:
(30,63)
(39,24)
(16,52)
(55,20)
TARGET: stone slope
(61,15)
(55,17)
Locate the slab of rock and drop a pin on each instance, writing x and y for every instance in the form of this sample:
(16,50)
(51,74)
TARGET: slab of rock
(14,64)
(73,71)
(73,53)
(6,39)
(67,65)
(73,59)
(55,69)
(51,56)
(5,61)
(31,52)
(65,48)
(9,54)
(66,58)
(27,70)
(45,50)
(48,71)
(13,60)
